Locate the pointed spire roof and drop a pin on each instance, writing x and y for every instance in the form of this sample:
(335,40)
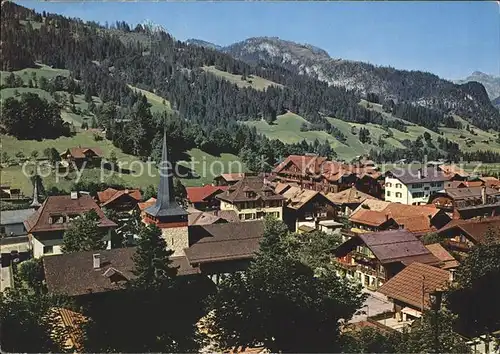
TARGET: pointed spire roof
(166,204)
(35,203)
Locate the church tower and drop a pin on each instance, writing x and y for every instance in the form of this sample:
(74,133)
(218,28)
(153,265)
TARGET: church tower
(166,213)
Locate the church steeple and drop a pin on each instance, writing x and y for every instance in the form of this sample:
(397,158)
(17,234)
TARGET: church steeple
(166,206)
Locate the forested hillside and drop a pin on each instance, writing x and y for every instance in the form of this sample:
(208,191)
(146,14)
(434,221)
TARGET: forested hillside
(207,108)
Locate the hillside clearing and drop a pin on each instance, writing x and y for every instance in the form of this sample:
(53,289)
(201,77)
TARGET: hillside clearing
(201,162)
(252,81)
(158,104)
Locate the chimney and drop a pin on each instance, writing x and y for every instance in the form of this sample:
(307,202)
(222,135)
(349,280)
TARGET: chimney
(386,217)
(484,197)
(96,258)
(419,173)
(74,195)
(452,275)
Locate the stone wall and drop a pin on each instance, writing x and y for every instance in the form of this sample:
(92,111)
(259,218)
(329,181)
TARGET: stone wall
(177,239)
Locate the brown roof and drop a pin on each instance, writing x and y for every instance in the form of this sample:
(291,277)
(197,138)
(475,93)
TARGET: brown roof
(306,164)
(491,182)
(397,246)
(229,215)
(280,188)
(416,218)
(406,286)
(83,279)
(447,260)
(110,194)
(349,196)
(198,217)
(476,229)
(231,177)
(63,205)
(229,241)
(298,197)
(79,152)
(255,184)
(470,193)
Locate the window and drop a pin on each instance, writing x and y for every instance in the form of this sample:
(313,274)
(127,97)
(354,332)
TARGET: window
(57,219)
(388,193)
(248,216)
(399,185)
(48,249)
(2,229)
(399,194)
(417,194)
(388,184)
(417,185)
(437,184)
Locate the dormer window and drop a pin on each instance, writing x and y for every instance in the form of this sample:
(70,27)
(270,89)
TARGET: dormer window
(57,219)
(250,194)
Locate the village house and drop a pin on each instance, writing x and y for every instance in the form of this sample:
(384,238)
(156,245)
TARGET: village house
(348,200)
(317,173)
(228,179)
(203,198)
(47,225)
(453,172)
(411,290)
(467,203)
(377,215)
(375,257)
(413,187)
(121,200)
(90,156)
(305,207)
(461,235)
(447,261)
(7,192)
(252,199)
(491,182)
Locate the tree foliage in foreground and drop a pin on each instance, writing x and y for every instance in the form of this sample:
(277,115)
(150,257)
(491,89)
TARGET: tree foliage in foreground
(281,303)
(475,295)
(84,234)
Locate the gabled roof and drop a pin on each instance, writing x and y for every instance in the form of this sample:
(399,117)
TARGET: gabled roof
(238,191)
(416,218)
(110,194)
(231,177)
(491,182)
(476,229)
(349,196)
(231,241)
(79,152)
(199,194)
(306,164)
(406,286)
(198,217)
(298,197)
(144,205)
(428,174)
(84,279)
(63,205)
(447,260)
(397,246)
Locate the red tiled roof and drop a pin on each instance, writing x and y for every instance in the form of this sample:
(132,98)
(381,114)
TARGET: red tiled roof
(79,152)
(231,177)
(368,217)
(109,195)
(198,194)
(349,196)
(63,205)
(406,286)
(306,164)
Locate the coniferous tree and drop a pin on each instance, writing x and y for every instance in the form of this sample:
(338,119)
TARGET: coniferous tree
(84,234)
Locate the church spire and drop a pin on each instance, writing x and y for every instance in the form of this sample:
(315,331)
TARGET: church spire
(166,204)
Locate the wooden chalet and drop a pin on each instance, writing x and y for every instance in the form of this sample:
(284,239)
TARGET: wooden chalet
(90,156)
(119,200)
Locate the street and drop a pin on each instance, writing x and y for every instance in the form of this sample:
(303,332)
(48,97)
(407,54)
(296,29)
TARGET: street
(375,304)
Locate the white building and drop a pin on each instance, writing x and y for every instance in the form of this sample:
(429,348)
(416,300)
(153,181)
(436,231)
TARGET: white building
(413,187)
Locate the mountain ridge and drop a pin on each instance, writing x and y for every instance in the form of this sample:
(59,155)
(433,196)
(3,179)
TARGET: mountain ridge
(490,82)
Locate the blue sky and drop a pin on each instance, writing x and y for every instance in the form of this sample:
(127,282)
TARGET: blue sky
(450,39)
